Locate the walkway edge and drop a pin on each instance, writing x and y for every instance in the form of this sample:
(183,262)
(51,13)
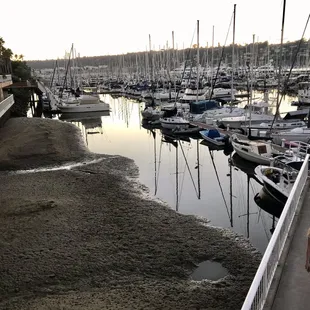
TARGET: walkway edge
(278,274)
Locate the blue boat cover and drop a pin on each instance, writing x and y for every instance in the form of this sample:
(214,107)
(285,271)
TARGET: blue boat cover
(213,133)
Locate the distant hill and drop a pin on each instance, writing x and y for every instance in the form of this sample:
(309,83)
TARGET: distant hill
(263,53)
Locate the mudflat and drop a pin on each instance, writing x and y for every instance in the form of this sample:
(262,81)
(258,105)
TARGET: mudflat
(78,231)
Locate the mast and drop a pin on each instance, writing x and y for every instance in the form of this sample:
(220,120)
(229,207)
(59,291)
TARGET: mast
(212,55)
(233,58)
(65,79)
(251,83)
(197,63)
(52,80)
(280,60)
(173,63)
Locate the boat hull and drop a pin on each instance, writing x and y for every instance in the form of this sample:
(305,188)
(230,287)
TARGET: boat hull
(83,108)
(175,125)
(250,156)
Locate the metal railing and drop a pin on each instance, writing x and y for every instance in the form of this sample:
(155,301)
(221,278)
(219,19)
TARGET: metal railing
(260,286)
(6,104)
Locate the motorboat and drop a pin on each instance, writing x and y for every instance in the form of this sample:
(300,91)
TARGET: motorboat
(214,136)
(278,182)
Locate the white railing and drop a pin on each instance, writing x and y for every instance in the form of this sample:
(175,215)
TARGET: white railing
(5,78)
(258,291)
(6,104)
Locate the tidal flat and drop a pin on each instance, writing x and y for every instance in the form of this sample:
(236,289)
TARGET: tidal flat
(88,235)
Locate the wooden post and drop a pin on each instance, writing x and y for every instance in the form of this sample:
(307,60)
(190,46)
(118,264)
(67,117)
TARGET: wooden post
(308,252)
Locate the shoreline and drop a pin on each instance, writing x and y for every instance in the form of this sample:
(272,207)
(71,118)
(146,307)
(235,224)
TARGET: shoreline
(90,237)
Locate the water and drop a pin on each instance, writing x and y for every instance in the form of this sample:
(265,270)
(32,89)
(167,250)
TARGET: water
(209,270)
(214,189)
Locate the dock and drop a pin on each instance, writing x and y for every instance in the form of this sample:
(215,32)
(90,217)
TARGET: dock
(282,281)
(209,126)
(292,288)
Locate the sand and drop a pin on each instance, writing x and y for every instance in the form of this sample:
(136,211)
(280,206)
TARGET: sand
(92,237)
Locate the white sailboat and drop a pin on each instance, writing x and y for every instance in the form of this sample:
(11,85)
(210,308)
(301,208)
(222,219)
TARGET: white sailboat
(296,134)
(259,152)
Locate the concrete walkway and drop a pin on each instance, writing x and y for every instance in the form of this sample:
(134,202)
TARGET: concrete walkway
(293,291)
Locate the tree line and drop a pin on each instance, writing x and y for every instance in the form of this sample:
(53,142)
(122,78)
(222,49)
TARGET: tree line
(264,53)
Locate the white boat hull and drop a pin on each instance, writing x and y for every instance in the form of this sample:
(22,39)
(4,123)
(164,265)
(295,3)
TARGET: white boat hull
(277,138)
(71,108)
(250,156)
(172,123)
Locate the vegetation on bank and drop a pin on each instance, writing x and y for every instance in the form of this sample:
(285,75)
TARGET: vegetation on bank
(15,65)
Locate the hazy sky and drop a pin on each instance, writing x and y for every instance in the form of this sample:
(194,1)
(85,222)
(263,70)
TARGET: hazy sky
(41,29)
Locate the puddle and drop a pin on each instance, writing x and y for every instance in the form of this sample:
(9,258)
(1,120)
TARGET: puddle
(209,270)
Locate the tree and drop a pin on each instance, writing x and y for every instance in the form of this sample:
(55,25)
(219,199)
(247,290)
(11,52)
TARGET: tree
(20,72)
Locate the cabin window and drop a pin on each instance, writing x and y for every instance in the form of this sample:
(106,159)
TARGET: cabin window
(243,149)
(262,149)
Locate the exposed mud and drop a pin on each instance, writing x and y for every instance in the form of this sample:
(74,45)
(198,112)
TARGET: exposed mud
(90,238)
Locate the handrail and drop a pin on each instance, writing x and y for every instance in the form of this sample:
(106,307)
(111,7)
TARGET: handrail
(258,291)
(6,104)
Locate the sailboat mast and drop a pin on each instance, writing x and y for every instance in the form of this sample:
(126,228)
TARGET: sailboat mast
(173,62)
(150,60)
(212,54)
(233,57)
(197,64)
(280,60)
(251,83)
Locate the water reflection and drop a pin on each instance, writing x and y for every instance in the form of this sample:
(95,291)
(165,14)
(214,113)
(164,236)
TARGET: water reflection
(209,270)
(89,122)
(269,204)
(183,171)
(263,200)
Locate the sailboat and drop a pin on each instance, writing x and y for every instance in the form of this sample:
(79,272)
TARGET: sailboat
(73,100)
(178,121)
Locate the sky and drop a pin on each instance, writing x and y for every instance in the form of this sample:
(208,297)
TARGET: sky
(45,29)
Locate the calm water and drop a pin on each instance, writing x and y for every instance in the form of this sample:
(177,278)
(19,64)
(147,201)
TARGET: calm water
(209,270)
(214,189)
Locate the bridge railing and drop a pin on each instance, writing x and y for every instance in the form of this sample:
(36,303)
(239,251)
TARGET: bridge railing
(259,289)
(6,104)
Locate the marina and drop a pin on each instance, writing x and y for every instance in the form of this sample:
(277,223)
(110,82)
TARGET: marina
(156,168)
(168,166)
